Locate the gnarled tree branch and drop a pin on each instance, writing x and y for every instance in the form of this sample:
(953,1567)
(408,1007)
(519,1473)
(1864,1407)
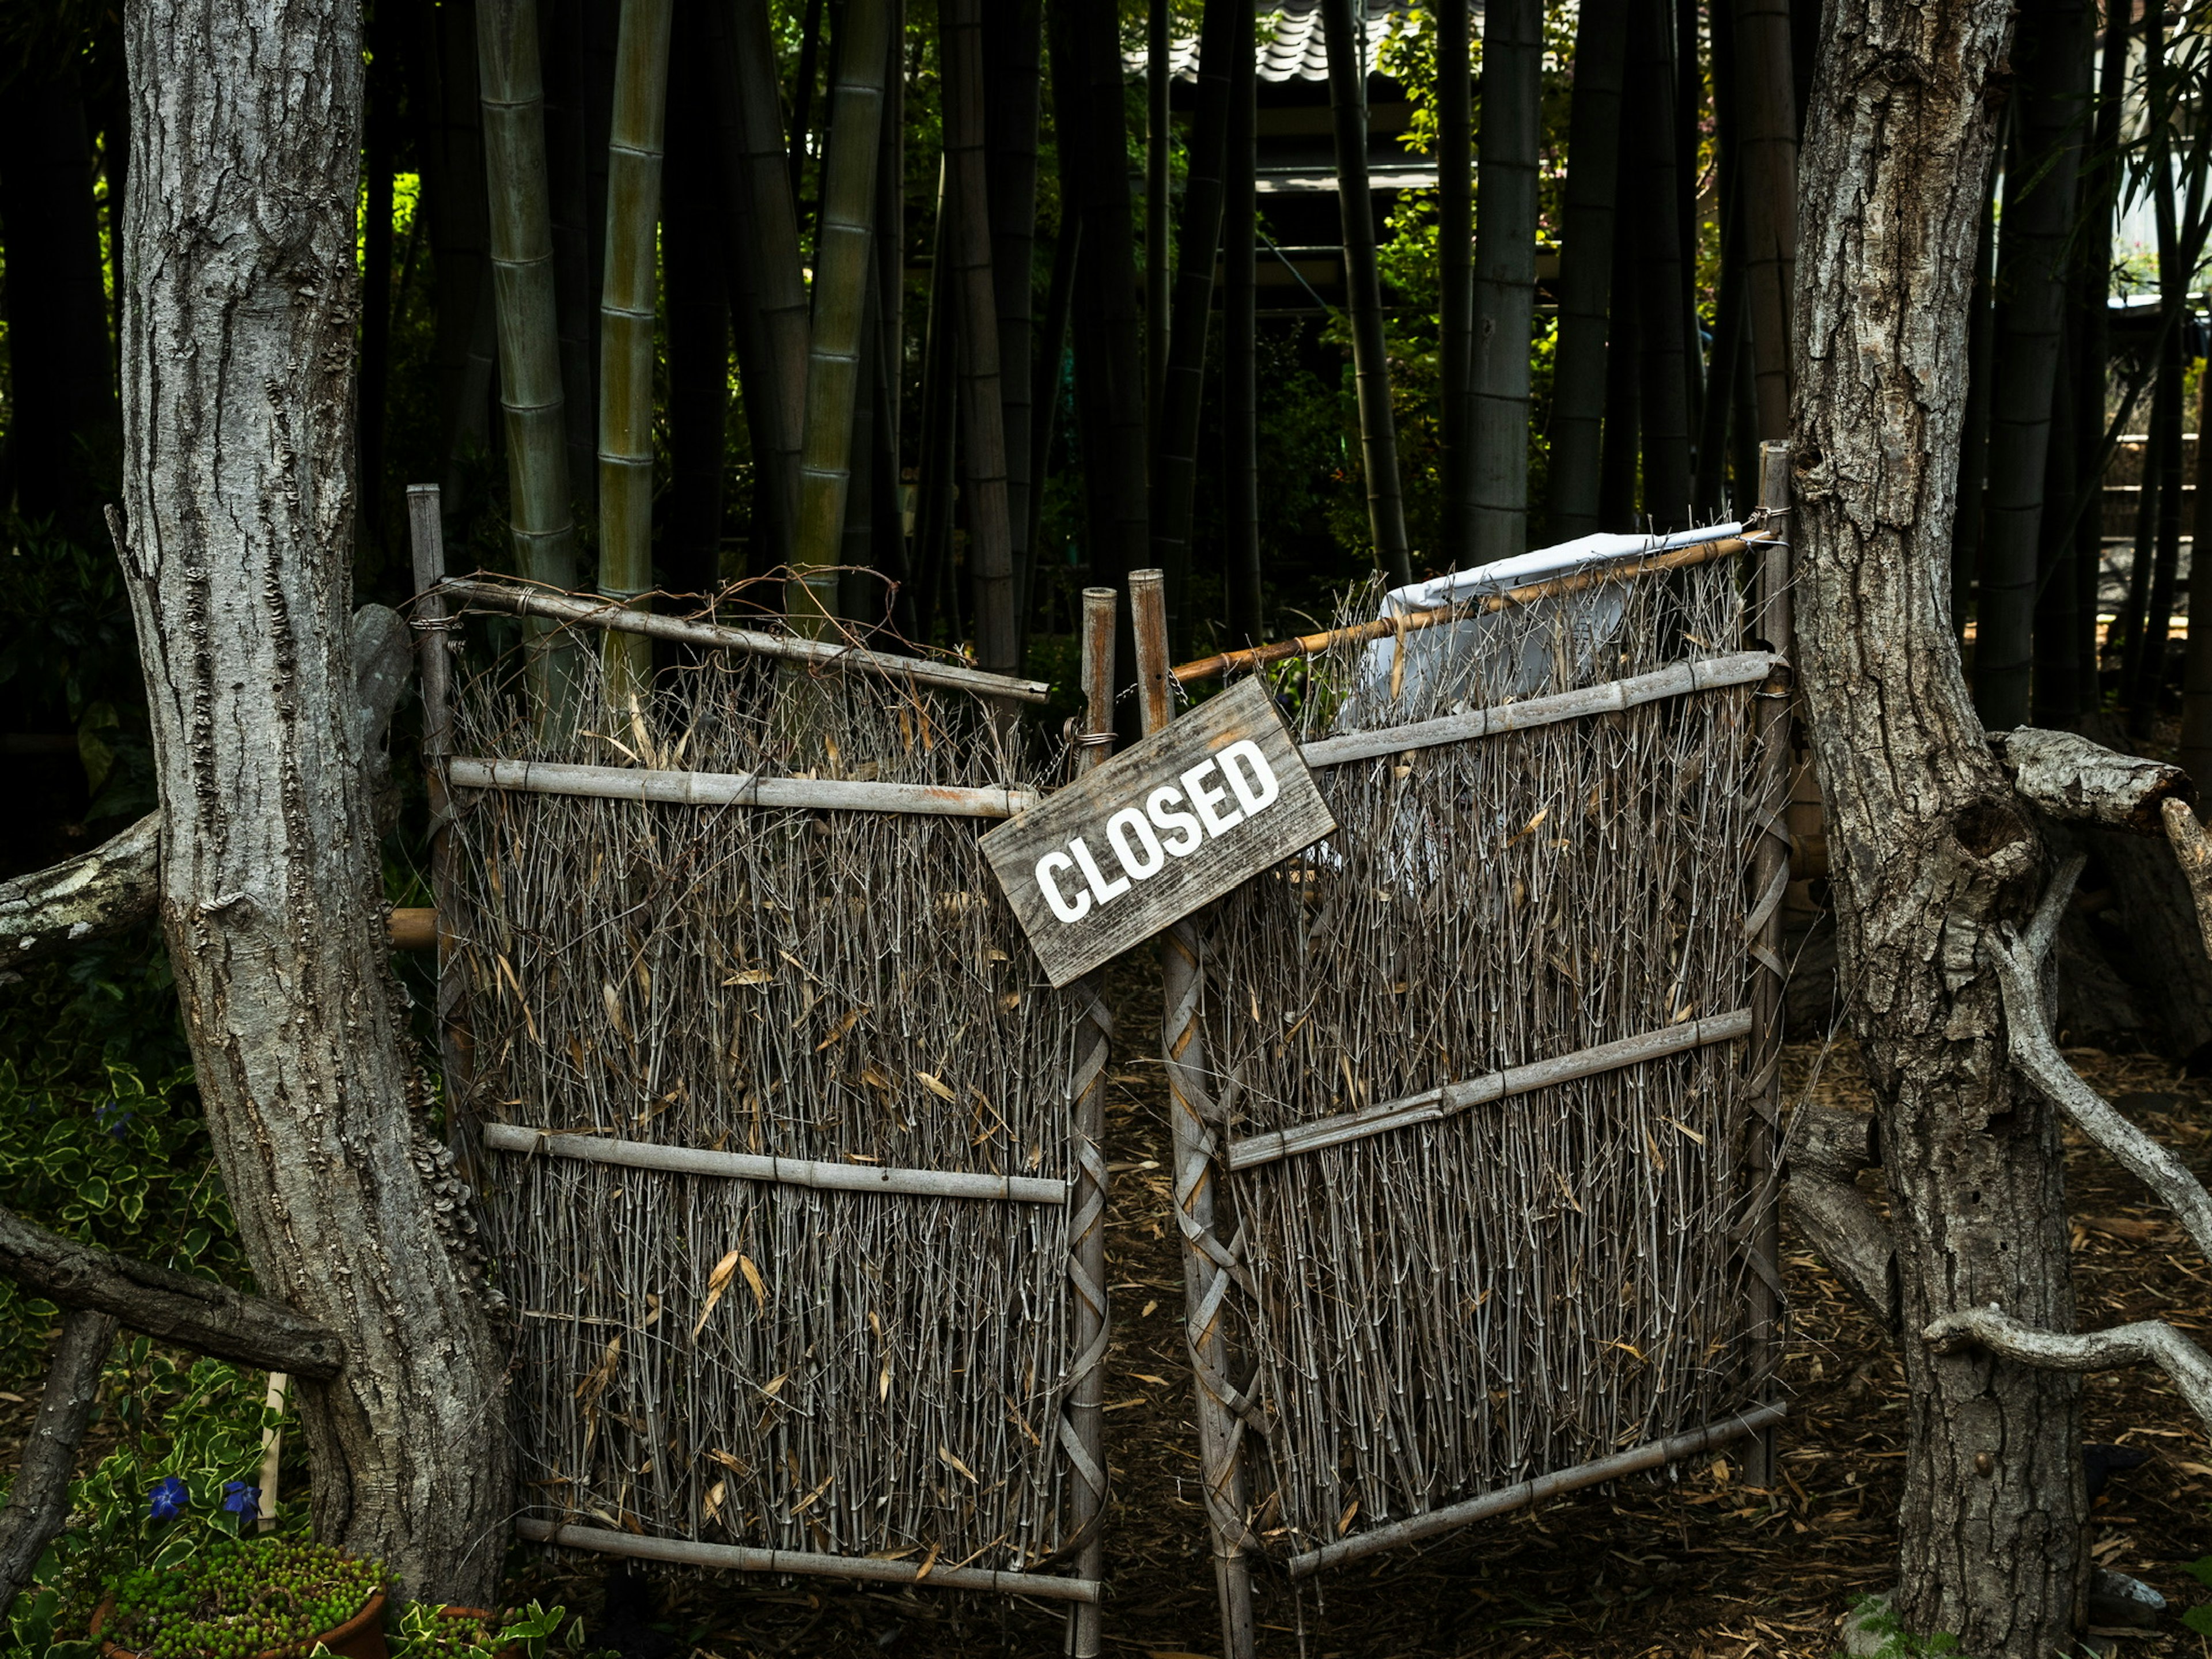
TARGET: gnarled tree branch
(1827,1148)
(2149,1342)
(2081,781)
(38,1502)
(2192,848)
(194,1313)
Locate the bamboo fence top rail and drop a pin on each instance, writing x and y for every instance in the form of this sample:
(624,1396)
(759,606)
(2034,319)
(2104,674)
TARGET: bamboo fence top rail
(1434,1105)
(821,1176)
(861,1569)
(1614,697)
(817,653)
(737,789)
(1650,1455)
(1383,628)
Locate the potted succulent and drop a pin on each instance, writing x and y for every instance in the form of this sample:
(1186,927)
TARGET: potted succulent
(270,1597)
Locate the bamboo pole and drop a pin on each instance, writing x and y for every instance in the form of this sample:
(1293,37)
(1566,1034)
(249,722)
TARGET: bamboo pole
(1766,115)
(671,788)
(272,1454)
(1435,1105)
(1182,387)
(1614,697)
(1455,255)
(626,299)
(1190,1113)
(1049,376)
(1579,377)
(1013,83)
(1653,1454)
(818,654)
(799,1562)
(1159,149)
(1086,1231)
(433,670)
(843,244)
(1504,280)
(513,115)
(1378,425)
(1664,374)
(811,1173)
(982,407)
(1307,644)
(1763,927)
(1240,327)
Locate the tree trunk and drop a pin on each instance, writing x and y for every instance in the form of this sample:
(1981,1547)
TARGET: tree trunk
(1174,465)
(1455,258)
(1579,373)
(1240,327)
(1665,371)
(1505,277)
(1346,35)
(2031,281)
(1929,848)
(239,434)
(1767,121)
(1974,425)
(975,332)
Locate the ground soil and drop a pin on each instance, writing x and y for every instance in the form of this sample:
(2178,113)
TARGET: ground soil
(1694,1566)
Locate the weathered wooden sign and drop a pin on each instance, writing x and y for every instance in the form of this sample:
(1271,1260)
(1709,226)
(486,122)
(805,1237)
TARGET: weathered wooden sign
(1155,833)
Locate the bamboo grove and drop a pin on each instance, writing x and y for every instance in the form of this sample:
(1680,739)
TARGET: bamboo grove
(941,309)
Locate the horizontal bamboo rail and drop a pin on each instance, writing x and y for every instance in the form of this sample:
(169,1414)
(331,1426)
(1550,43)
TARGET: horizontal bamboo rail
(1675,680)
(783,1171)
(1434,1105)
(737,789)
(412,927)
(863,1569)
(1650,1455)
(815,653)
(1383,628)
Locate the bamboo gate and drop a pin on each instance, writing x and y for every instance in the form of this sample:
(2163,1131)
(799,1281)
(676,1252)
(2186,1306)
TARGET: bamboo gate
(792,1160)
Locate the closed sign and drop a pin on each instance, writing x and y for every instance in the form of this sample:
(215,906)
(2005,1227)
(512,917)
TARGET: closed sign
(1156,832)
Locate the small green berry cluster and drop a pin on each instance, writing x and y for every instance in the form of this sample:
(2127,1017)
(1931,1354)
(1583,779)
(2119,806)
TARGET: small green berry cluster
(241,1599)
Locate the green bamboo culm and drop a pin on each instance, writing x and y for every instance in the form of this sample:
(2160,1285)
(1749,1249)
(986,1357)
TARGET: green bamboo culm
(626,309)
(521,228)
(843,244)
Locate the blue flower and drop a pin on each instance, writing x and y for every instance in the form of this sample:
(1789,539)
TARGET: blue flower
(114,1117)
(242,1501)
(165,1498)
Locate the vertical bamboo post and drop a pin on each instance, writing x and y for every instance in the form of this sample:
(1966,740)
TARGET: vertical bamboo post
(433,664)
(1159,143)
(1240,327)
(1220,1431)
(1769,880)
(1084,1441)
(272,1453)
(626,346)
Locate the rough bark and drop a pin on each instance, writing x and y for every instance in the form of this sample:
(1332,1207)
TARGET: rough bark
(193,1313)
(37,1500)
(2083,782)
(1929,848)
(1827,1148)
(237,431)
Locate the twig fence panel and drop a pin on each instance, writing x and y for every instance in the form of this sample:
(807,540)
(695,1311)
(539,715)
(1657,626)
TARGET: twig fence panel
(784,1140)
(1482,1074)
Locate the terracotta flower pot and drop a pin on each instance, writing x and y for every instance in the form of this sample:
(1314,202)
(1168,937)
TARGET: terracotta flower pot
(361,1637)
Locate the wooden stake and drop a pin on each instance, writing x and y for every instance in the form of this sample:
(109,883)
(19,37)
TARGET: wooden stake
(1220,1431)
(273,1452)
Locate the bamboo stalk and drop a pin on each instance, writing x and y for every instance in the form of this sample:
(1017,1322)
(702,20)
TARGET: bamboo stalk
(1578,378)
(1160,146)
(843,244)
(862,1570)
(1378,425)
(1435,1105)
(272,1453)
(982,407)
(1767,124)
(1240,422)
(1497,500)
(1307,644)
(1190,1108)
(625,315)
(1663,323)
(1050,374)
(1013,82)
(819,653)
(782,1171)
(1086,1232)
(513,115)
(433,669)
(1653,1454)
(1456,254)
(652,784)
(1615,696)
